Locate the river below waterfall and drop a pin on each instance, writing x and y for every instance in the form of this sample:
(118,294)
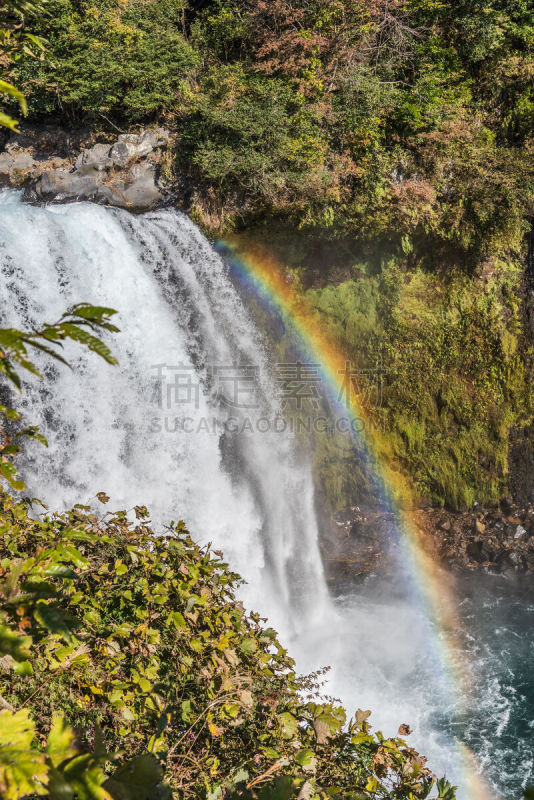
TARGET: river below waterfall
(164,430)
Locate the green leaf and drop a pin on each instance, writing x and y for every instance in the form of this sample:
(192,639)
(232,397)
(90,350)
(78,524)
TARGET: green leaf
(61,741)
(249,645)
(86,777)
(58,787)
(8,122)
(70,553)
(55,620)
(138,779)
(289,724)
(306,759)
(176,618)
(445,790)
(77,334)
(14,644)
(23,668)
(281,788)
(23,769)
(8,88)
(59,571)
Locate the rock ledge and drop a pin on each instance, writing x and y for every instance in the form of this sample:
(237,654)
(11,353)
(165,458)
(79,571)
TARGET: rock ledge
(53,166)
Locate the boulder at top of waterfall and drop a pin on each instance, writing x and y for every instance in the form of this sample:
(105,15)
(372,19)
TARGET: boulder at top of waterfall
(131,146)
(13,163)
(97,156)
(59,184)
(123,171)
(138,190)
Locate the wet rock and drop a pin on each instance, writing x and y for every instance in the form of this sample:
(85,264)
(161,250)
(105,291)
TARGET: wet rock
(123,173)
(483,538)
(139,190)
(356,528)
(515,559)
(13,162)
(474,551)
(360,541)
(135,188)
(58,184)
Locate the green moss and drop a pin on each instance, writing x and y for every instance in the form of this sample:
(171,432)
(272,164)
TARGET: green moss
(456,376)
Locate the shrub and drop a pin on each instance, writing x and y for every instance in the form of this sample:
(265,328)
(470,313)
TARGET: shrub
(138,643)
(128,60)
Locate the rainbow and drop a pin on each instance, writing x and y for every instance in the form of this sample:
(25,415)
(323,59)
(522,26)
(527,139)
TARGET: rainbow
(257,273)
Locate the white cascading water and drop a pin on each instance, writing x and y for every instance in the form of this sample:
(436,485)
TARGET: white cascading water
(250,493)
(247,492)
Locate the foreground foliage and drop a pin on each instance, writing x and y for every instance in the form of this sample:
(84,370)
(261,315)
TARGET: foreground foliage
(138,643)
(80,324)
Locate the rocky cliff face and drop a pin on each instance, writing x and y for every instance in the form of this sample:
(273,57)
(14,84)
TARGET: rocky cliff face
(55,166)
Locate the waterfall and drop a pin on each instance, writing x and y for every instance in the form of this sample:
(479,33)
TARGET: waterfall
(181,427)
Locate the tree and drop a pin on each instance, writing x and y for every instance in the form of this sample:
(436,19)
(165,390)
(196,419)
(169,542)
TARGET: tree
(15,39)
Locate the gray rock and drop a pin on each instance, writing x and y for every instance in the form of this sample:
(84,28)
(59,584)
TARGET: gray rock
(515,559)
(121,175)
(58,184)
(139,191)
(97,156)
(5,165)
(13,161)
(520,532)
(133,145)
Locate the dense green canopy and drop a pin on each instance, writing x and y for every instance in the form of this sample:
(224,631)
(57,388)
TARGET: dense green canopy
(380,117)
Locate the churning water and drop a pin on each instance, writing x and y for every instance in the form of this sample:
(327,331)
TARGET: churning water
(169,429)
